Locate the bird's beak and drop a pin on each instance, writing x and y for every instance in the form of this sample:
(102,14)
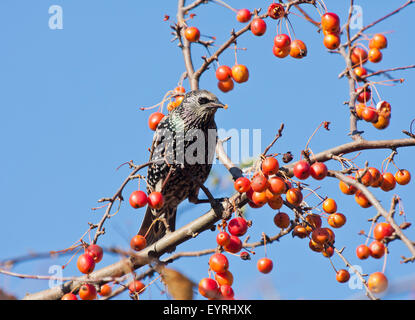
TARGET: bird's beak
(218,105)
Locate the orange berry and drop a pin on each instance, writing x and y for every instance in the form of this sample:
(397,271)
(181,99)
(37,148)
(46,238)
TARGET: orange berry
(362,200)
(330,22)
(381,123)
(226,86)
(298,49)
(294,196)
(342,276)
(87,292)
(336,220)
(377,282)
(346,189)
(358,56)
(378,41)
(388,182)
(375,55)
(138,242)
(331,41)
(224,278)
(329,205)
(240,73)
(192,34)
(105,290)
(403,177)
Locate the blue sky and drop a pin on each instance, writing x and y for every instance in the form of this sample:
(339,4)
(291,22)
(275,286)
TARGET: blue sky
(69,117)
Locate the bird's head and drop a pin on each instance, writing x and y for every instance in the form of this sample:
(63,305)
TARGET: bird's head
(200,103)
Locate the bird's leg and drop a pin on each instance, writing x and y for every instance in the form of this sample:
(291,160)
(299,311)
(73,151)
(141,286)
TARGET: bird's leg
(193,197)
(164,221)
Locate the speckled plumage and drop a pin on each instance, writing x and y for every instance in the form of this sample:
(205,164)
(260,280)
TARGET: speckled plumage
(190,129)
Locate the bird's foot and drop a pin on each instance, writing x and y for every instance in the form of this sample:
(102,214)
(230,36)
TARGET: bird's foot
(214,201)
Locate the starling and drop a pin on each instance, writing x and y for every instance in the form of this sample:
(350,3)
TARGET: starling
(182,154)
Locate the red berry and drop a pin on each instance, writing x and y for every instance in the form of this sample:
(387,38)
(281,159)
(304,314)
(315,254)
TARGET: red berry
(264,265)
(318,170)
(281,52)
(364,95)
(226,86)
(282,220)
(237,226)
(85,263)
(218,262)
(224,278)
(223,73)
(320,235)
(69,296)
(259,183)
(138,242)
(95,251)
(258,26)
(270,166)
(243,15)
(377,249)
(363,252)
(105,290)
(342,276)
(275,11)
(136,286)
(370,114)
(330,22)
(234,246)
(242,185)
(208,288)
(223,238)
(155,200)
(282,41)
(226,291)
(154,120)
(277,185)
(192,34)
(87,292)
(302,170)
(382,230)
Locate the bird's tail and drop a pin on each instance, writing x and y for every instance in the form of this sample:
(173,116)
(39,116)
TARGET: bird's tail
(158,229)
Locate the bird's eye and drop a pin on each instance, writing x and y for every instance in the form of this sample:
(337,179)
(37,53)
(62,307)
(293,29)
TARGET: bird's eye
(203,100)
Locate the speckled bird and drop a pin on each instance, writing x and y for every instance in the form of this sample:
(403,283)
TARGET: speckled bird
(183,148)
